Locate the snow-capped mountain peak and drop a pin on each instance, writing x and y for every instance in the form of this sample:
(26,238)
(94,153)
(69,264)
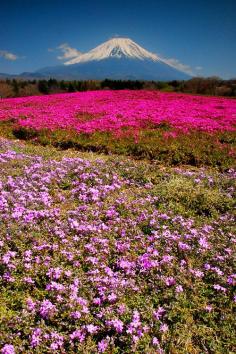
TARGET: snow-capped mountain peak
(115,48)
(117,59)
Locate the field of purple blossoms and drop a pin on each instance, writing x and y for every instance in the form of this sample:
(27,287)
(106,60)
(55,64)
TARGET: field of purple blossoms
(102,254)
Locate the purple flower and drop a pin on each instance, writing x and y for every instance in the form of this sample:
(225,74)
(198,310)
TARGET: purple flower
(219,288)
(155,341)
(76,315)
(92,328)
(179,289)
(31,305)
(8,349)
(232,279)
(159,313)
(78,335)
(164,328)
(97,301)
(197,273)
(203,243)
(208,308)
(102,346)
(47,309)
(36,337)
(112,297)
(57,341)
(116,324)
(170,281)
(184,246)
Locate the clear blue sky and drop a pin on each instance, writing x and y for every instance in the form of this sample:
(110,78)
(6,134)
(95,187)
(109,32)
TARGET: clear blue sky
(201,34)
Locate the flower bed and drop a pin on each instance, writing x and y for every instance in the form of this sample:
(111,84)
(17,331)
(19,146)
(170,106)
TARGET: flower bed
(115,110)
(107,256)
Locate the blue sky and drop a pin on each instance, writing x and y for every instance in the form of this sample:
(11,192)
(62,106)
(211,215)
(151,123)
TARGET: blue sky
(200,34)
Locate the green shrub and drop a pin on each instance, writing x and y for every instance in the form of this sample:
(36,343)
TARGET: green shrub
(195,148)
(25,133)
(183,195)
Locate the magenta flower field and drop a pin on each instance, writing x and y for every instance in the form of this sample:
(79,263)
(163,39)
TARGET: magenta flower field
(107,254)
(93,111)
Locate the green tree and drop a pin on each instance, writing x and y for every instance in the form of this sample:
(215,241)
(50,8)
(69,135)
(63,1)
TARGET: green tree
(43,86)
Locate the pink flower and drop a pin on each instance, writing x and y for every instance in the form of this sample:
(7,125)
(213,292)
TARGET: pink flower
(116,324)
(155,341)
(164,328)
(36,337)
(76,315)
(179,289)
(170,281)
(102,346)
(31,305)
(208,308)
(47,309)
(91,328)
(77,335)
(219,288)
(133,110)
(159,313)
(8,349)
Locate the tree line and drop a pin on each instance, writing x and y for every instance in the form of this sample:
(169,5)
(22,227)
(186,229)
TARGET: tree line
(204,86)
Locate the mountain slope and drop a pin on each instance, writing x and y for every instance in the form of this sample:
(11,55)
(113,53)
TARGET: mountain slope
(111,68)
(117,58)
(115,48)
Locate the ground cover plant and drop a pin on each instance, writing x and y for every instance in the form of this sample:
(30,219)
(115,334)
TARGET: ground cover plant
(168,127)
(103,254)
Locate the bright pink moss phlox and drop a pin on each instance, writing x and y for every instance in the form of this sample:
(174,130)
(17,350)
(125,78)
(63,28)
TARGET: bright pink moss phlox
(113,110)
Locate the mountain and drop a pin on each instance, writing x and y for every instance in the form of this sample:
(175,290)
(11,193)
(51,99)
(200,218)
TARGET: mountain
(25,75)
(6,76)
(115,48)
(117,58)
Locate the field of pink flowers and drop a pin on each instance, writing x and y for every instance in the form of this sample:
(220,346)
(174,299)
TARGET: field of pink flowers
(92,111)
(114,256)
(105,254)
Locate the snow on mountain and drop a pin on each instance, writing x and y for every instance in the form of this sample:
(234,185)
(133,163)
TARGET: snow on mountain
(118,59)
(115,48)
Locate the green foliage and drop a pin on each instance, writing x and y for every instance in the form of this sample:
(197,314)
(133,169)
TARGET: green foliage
(6,128)
(25,133)
(15,86)
(204,86)
(122,84)
(43,87)
(188,197)
(71,87)
(195,148)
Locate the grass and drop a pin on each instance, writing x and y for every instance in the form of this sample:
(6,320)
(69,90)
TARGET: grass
(196,148)
(187,197)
